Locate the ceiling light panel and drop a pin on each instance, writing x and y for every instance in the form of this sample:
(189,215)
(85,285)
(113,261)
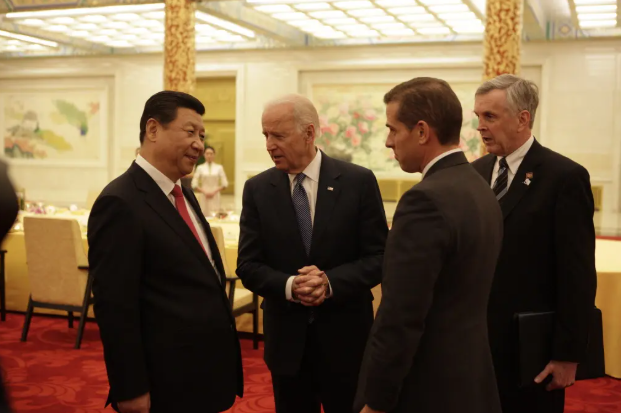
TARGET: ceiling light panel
(377,18)
(136,26)
(596,14)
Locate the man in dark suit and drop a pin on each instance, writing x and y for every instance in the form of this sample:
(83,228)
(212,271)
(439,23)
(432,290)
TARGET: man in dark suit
(8,213)
(312,239)
(170,343)
(547,261)
(428,351)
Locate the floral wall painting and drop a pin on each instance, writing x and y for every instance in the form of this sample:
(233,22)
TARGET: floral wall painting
(353,123)
(53,126)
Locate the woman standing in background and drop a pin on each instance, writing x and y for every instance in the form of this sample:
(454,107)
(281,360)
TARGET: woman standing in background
(209,179)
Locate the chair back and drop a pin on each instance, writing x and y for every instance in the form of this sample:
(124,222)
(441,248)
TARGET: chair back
(54,250)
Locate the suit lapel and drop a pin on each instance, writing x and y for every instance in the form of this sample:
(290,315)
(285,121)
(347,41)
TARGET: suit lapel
(285,212)
(160,203)
(518,186)
(213,245)
(486,168)
(327,193)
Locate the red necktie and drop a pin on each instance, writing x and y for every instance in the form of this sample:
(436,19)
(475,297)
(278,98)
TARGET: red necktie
(183,211)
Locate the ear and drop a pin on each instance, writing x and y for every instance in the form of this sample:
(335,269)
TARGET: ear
(310,133)
(422,132)
(524,120)
(151,129)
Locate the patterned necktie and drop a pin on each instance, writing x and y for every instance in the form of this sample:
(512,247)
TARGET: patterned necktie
(500,186)
(302,211)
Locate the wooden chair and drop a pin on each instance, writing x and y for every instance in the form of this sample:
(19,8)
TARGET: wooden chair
(57,270)
(242,301)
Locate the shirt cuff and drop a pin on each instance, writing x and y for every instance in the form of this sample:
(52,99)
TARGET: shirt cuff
(329,292)
(289,290)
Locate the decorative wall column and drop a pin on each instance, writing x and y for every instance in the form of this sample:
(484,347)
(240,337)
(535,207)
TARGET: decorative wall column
(179,47)
(503,37)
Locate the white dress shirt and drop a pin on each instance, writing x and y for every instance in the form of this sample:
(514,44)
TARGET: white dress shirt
(310,184)
(514,160)
(166,185)
(437,158)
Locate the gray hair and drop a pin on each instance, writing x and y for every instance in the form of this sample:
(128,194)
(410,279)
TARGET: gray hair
(522,94)
(304,112)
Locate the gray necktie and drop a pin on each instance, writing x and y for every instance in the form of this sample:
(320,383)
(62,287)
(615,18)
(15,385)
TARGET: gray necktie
(500,186)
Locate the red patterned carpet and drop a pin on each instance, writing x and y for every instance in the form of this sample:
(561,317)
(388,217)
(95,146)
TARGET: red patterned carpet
(46,375)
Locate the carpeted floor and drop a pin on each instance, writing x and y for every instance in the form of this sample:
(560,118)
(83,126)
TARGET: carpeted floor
(46,375)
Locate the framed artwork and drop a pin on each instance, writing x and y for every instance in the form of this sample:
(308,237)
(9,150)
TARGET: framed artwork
(353,123)
(55,123)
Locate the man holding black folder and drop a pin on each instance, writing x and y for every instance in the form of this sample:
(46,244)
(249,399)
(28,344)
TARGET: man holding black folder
(547,263)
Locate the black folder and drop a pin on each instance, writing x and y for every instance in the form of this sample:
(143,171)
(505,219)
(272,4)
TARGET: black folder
(535,340)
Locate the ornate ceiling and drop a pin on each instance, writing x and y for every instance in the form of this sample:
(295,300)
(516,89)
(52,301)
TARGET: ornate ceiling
(56,27)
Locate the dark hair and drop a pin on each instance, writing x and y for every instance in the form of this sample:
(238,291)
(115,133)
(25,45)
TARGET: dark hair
(430,100)
(210,147)
(163,107)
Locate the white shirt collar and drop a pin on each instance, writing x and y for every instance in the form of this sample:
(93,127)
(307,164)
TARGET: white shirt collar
(514,159)
(312,170)
(437,158)
(160,179)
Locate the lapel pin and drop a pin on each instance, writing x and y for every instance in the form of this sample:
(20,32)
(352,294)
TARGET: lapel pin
(330,188)
(529,175)
(527,182)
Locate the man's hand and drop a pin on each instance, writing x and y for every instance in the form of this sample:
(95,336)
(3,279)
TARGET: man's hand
(367,409)
(310,286)
(563,373)
(140,404)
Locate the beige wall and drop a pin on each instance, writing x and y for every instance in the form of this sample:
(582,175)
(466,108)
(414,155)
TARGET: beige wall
(580,113)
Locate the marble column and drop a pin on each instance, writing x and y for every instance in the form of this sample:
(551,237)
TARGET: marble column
(503,38)
(179,47)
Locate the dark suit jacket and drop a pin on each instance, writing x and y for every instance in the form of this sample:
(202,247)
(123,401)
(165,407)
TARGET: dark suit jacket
(548,256)
(8,213)
(348,240)
(164,318)
(428,351)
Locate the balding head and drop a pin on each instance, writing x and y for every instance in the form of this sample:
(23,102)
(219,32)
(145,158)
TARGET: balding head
(290,126)
(304,112)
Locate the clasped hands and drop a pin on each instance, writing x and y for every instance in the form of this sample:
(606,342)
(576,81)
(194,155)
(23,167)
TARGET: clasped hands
(310,286)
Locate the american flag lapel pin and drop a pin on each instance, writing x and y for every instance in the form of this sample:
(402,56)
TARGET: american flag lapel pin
(330,188)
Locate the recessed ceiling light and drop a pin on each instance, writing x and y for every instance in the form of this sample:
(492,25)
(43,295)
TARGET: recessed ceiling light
(274,8)
(398,32)
(367,12)
(57,28)
(62,20)
(95,18)
(377,19)
(31,22)
(434,30)
(349,5)
(290,16)
(417,18)
(597,23)
(597,16)
(348,20)
(312,6)
(328,14)
(407,10)
(597,9)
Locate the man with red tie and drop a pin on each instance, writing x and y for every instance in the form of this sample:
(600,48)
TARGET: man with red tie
(170,343)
